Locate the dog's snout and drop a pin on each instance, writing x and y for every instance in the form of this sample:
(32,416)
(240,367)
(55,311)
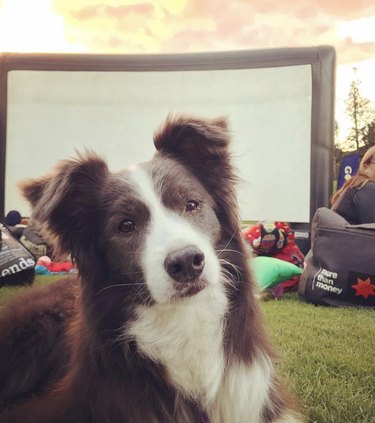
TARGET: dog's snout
(186,264)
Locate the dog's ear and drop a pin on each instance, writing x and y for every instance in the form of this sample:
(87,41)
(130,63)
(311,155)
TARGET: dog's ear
(194,140)
(202,145)
(65,203)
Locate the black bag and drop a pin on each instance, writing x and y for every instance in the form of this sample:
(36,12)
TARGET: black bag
(340,267)
(16,262)
(31,239)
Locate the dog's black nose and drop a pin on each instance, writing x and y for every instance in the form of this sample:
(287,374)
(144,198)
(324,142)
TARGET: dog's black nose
(186,264)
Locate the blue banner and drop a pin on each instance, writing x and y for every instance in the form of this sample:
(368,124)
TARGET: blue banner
(348,168)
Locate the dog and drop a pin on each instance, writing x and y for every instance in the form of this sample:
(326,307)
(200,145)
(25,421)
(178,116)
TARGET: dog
(162,324)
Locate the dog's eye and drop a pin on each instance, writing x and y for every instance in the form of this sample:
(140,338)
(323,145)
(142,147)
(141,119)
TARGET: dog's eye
(126,226)
(192,205)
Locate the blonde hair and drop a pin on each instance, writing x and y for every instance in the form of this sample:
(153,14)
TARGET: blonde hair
(362,176)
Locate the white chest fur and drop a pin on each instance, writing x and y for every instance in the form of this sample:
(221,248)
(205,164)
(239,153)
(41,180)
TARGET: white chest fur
(243,392)
(187,338)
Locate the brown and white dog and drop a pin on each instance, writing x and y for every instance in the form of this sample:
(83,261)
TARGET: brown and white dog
(161,325)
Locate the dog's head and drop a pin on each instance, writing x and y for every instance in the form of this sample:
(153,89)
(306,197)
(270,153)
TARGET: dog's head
(155,227)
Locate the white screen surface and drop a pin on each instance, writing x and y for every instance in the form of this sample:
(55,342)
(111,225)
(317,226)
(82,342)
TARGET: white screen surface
(50,114)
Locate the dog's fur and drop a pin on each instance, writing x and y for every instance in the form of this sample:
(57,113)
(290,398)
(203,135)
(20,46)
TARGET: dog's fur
(135,339)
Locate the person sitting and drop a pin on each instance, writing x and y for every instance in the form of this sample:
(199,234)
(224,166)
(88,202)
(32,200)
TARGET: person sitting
(355,200)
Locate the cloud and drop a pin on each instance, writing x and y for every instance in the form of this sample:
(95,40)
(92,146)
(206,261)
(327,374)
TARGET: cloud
(130,26)
(113,12)
(346,9)
(349,51)
(335,9)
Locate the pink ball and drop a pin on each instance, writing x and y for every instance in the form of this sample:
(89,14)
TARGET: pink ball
(44,261)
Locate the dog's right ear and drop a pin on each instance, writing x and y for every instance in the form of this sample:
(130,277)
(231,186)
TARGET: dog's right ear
(65,203)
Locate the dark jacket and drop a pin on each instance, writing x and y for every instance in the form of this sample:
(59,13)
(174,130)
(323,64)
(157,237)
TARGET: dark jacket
(357,205)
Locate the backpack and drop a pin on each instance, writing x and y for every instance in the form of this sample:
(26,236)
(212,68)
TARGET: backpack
(340,267)
(16,262)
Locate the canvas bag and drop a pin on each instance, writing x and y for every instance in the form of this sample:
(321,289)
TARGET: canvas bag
(16,262)
(340,267)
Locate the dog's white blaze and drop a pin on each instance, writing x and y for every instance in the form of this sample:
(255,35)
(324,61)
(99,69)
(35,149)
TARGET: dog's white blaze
(168,232)
(187,335)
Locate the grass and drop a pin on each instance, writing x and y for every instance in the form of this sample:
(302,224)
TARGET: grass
(7,291)
(328,356)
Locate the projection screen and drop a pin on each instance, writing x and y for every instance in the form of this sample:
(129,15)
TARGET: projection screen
(279,104)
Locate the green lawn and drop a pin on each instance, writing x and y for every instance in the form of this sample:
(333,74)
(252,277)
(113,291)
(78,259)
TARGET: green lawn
(328,356)
(8,291)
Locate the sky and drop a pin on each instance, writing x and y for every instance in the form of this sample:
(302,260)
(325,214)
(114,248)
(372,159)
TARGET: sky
(177,26)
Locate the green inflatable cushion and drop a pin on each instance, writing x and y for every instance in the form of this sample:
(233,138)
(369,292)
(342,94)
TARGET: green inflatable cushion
(271,271)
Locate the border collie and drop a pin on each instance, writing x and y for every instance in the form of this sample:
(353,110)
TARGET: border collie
(161,325)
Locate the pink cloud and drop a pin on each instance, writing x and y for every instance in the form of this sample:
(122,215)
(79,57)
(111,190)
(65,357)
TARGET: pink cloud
(212,25)
(306,12)
(349,52)
(346,9)
(117,12)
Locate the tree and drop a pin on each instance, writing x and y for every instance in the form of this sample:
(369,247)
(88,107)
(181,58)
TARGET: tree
(338,153)
(361,113)
(370,134)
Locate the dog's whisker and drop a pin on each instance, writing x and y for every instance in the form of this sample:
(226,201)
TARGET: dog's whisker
(230,274)
(229,280)
(138,292)
(228,263)
(228,250)
(230,240)
(118,285)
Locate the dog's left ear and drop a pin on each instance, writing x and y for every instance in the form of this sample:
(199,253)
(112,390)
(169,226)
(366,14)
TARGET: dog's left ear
(202,145)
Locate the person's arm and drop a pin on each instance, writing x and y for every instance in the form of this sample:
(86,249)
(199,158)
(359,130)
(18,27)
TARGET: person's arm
(364,202)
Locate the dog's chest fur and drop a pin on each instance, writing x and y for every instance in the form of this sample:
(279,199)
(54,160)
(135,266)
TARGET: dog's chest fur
(187,339)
